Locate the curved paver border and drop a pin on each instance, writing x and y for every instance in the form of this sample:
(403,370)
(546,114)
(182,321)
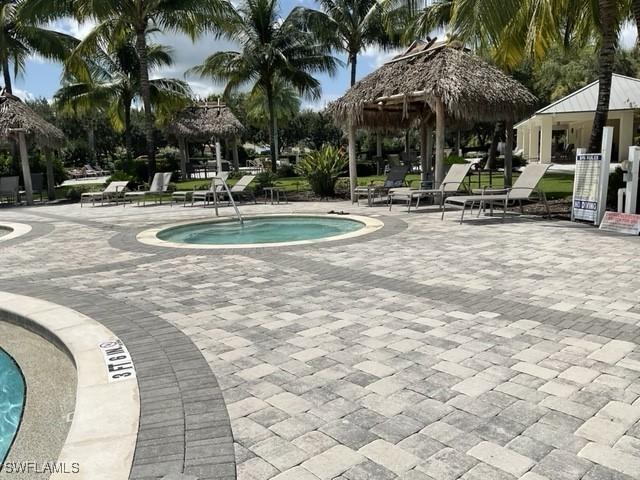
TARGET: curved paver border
(150,236)
(104,430)
(184,425)
(15,230)
(36,230)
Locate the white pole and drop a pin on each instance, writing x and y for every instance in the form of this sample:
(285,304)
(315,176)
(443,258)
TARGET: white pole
(633,180)
(440,125)
(607,143)
(353,173)
(218,157)
(26,171)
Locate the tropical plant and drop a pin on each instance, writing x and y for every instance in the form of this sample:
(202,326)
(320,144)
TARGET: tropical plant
(107,79)
(351,26)
(122,19)
(322,169)
(271,49)
(22,34)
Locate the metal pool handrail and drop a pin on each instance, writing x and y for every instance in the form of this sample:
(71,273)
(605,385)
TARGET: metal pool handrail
(231,200)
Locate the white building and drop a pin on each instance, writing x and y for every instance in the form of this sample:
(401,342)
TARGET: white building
(571,119)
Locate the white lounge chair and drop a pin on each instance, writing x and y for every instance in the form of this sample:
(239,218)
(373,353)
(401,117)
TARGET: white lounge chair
(242,187)
(185,195)
(525,186)
(159,185)
(450,186)
(216,186)
(113,190)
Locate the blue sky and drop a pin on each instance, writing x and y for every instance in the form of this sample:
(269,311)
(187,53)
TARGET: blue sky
(42,78)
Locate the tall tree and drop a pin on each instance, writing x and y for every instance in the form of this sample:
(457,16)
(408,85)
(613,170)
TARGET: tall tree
(121,17)
(351,26)
(106,79)
(22,34)
(270,48)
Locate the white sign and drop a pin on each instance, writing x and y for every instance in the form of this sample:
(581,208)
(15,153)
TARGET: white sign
(118,361)
(591,182)
(621,223)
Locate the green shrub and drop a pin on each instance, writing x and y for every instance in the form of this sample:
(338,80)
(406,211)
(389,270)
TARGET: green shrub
(73,193)
(264,180)
(453,159)
(286,171)
(322,170)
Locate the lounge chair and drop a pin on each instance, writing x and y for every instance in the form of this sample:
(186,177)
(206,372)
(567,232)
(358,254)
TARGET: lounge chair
(206,196)
(395,179)
(159,186)
(9,189)
(184,195)
(450,186)
(242,187)
(524,188)
(114,190)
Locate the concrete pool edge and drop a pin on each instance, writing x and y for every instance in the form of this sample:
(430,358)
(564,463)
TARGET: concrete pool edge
(150,236)
(103,434)
(15,230)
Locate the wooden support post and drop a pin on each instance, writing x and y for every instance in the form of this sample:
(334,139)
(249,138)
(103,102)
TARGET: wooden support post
(424,152)
(26,171)
(218,157)
(353,163)
(440,126)
(183,157)
(508,153)
(236,161)
(51,183)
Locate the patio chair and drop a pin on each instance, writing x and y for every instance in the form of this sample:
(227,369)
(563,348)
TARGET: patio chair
(208,196)
(89,171)
(159,186)
(184,195)
(9,189)
(524,188)
(450,186)
(114,190)
(395,178)
(242,187)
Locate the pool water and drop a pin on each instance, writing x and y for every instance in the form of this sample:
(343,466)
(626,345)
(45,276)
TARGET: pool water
(261,230)
(12,392)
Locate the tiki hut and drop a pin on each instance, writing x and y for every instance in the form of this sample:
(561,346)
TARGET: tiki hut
(18,122)
(431,83)
(203,123)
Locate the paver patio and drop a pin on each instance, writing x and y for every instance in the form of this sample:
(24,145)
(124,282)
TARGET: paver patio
(429,350)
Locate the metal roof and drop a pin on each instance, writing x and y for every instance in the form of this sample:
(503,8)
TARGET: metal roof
(625,95)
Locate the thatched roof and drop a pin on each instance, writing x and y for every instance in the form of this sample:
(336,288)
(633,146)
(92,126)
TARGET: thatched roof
(406,88)
(15,115)
(200,123)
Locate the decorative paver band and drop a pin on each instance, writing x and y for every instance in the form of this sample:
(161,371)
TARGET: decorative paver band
(183,423)
(15,230)
(102,436)
(150,237)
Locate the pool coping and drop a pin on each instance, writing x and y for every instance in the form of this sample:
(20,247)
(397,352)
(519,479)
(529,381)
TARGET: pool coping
(15,230)
(103,434)
(150,236)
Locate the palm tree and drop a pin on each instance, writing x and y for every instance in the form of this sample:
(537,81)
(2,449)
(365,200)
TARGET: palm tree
(287,106)
(118,18)
(107,79)
(22,35)
(271,48)
(351,26)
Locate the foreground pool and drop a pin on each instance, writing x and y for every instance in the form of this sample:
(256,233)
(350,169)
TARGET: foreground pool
(261,230)
(12,392)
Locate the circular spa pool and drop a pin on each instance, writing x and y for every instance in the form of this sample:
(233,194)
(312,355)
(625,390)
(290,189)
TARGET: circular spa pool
(12,391)
(261,230)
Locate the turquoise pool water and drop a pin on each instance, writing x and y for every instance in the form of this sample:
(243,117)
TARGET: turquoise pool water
(261,230)
(11,401)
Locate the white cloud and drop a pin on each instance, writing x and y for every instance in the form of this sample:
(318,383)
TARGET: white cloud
(72,27)
(320,104)
(24,95)
(380,56)
(628,36)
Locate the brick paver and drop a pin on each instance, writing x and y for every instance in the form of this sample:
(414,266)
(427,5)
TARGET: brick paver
(426,351)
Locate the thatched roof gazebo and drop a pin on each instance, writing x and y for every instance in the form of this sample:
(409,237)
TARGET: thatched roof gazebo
(202,123)
(431,82)
(21,123)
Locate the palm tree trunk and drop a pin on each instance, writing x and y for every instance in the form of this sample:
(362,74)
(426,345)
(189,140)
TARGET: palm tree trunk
(7,76)
(608,25)
(145,92)
(635,10)
(353,60)
(128,142)
(273,130)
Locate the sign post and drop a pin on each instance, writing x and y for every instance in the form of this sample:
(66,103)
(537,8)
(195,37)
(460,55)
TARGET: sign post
(591,182)
(633,179)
